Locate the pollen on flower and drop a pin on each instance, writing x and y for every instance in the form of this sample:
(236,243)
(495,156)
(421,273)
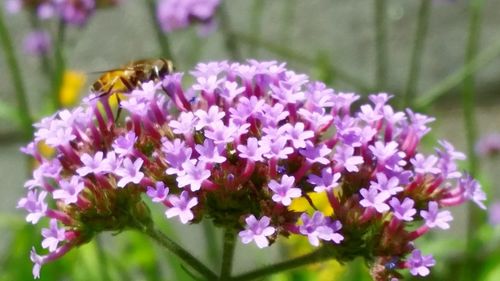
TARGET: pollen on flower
(241,146)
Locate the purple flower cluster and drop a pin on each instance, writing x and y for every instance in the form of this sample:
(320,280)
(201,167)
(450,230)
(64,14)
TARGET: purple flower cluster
(37,43)
(489,145)
(73,12)
(179,14)
(238,146)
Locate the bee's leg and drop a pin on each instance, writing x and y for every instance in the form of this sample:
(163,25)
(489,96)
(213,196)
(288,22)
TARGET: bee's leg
(156,73)
(118,100)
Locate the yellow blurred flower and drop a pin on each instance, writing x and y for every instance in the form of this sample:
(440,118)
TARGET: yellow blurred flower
(299,245)
(72,84)
(320,200)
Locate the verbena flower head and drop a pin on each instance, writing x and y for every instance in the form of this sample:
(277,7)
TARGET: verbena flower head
(37,43)
(489,145)
(179,14)
(238,146)
(73,12)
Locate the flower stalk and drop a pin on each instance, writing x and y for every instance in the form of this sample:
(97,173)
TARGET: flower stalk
(381,44)
(21,97)
(180,252)
(417,51)
(470,123)
(163,42)
(319,255)
(227,254)
(59,64)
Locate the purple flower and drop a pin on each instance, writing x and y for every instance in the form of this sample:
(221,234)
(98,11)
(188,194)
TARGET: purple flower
(130,172)
(488,145)
(403,211)
(75,12)
(69,190)
(178,14)
(221,134)
(124,145)
(231,91)
(38,261)
(369,115)
(419,264)
(37,43)
(252,150)
(159,193)
(110,163)
(257,230)
(389,185)
(345,158)
(372,198)
(316,153)
(288,93)
(91,164)
(35,205)
(207,118)
(246,108)
(327,181)
(272,115)
(13,6)
(176,154)
(136,106)
(277,148)
(53,236)
(318,120)
(447,157)
(193,175)
(433,217)
(284,192)
(210,153)
(60,136)
(384,151)
(318,227)
(298,135)
(37,180)
(472,190)
(207,84)
(494,213)
(184,124)
(425,165)
(181,206)
(147,91)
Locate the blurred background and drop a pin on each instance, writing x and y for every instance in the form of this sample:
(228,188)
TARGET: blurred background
(422,52)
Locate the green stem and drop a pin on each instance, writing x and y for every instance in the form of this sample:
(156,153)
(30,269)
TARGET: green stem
(256,23)
(163,42)
(14,70)
(211,242)
(227,255)
(321,254)
(468,98)
(302,58)
(103,261)
(59,65)
(381,43)
(478,62)
(416,55)
(180,252)
(230,40)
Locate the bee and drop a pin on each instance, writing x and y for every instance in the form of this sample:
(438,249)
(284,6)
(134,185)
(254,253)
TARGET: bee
(131,76)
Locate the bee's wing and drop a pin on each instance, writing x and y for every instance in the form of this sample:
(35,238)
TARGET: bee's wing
(108,70)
